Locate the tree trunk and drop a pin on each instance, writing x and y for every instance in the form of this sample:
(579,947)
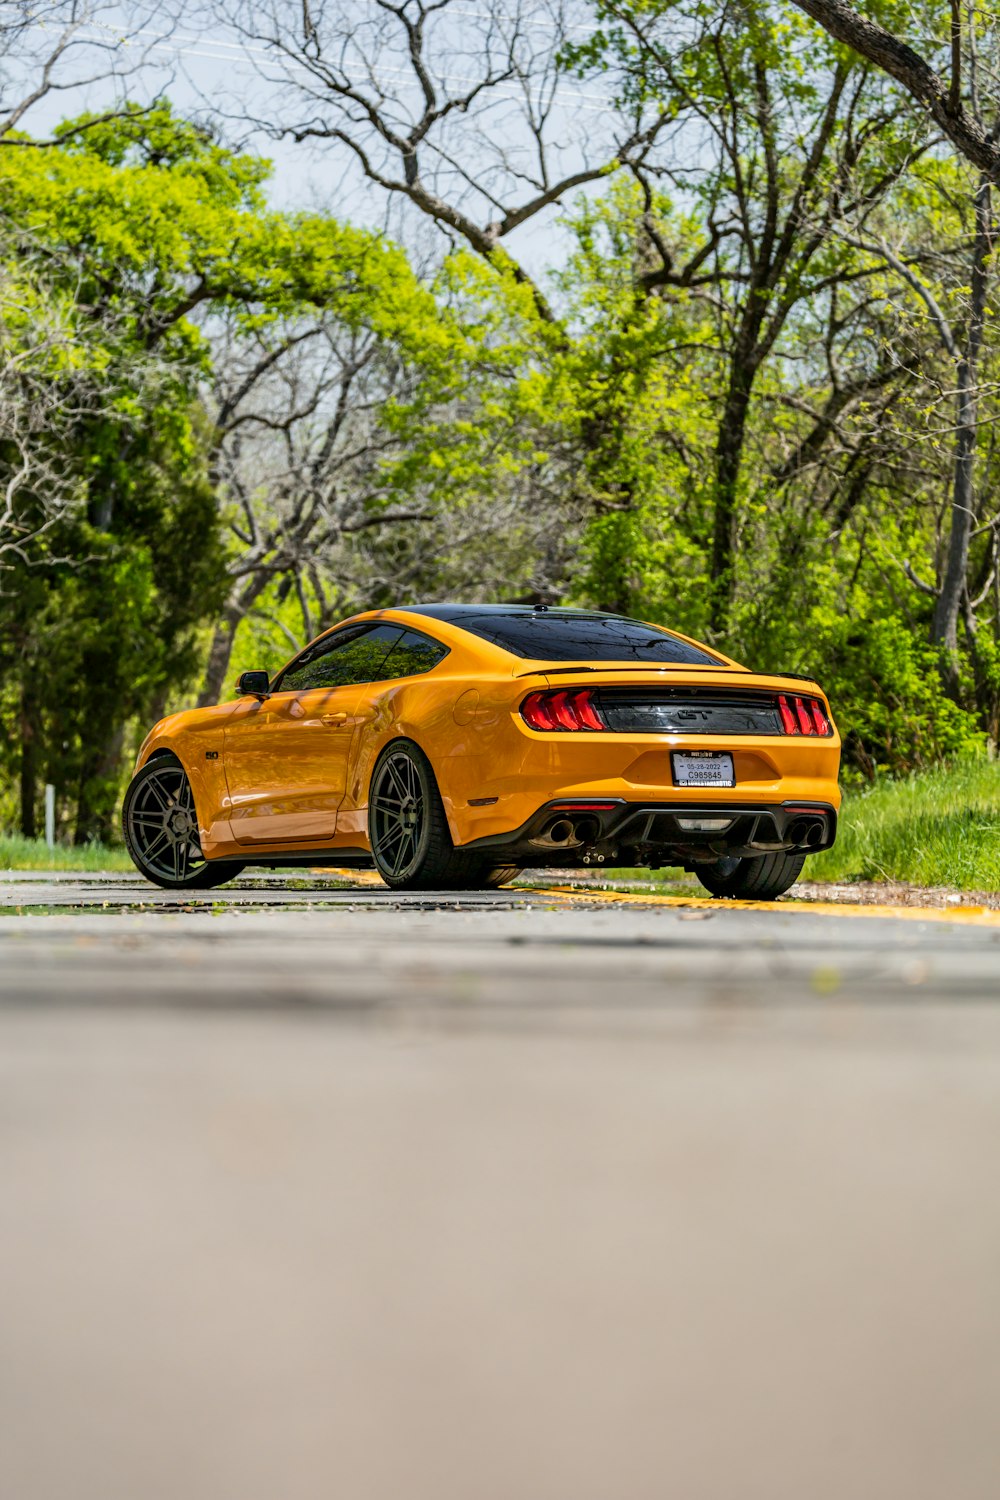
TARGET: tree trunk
(728,463)
(221,649)
(219,655)
(99,786)
(30,736)
(901,62)
(949,604)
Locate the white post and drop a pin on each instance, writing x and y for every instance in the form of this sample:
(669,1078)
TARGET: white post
(50,815)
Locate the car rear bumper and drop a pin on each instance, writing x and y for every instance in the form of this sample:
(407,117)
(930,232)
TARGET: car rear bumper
(595,830)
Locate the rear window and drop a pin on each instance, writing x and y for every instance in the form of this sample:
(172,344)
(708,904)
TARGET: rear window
(547,636)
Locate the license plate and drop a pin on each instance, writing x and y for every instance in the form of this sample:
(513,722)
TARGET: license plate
(703,768)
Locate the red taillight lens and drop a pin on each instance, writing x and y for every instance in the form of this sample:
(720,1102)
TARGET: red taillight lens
(564,711)
(806,725)
(571,709)
(583,705)
(536,710)
(820,720)
(802,715)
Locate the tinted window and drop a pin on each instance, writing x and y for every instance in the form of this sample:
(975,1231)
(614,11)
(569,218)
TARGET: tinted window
(412,654)
(347,658)
(547,636)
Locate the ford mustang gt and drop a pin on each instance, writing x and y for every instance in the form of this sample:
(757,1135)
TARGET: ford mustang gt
(452,745)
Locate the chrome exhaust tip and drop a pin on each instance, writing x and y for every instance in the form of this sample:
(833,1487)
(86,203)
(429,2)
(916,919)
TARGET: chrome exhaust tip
(807,832)
(560,833)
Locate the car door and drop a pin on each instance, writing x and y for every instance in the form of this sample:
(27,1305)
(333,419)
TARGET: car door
(286,758)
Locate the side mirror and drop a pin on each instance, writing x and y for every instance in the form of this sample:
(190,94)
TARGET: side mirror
(253,684)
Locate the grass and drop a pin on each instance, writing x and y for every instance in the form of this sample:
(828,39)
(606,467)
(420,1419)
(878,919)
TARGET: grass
(941,827)
(33,854)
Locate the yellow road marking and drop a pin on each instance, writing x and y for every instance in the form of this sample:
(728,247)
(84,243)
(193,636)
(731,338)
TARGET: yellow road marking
(977,916)
(971,916)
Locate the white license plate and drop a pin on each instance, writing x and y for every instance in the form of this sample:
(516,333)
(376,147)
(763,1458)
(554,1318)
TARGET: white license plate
(703,768)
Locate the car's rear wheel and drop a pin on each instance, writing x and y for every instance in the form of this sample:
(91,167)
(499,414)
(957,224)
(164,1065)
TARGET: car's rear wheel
(494,879)
(410,839)
(760,878)
(161,830)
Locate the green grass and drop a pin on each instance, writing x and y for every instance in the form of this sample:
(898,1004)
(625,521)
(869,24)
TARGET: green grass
(938,828)
(32,854)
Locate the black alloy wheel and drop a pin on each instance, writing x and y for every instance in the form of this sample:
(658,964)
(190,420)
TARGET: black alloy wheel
(161,830)
(399,822)
(759,878)
(410,839)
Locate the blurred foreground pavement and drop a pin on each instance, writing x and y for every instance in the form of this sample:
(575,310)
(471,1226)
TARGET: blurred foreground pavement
(492,1201)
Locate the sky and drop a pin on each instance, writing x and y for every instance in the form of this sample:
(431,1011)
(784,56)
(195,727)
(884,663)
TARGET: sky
(209,71)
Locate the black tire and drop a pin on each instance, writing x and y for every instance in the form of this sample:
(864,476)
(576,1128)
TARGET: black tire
(161,830)
(410,840)
(756,879)
(494,879)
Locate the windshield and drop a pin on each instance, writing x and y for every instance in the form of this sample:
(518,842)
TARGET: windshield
(547,636)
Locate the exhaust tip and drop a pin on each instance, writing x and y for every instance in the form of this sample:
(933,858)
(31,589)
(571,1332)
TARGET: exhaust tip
(587,830)
(807,832)
(559,833)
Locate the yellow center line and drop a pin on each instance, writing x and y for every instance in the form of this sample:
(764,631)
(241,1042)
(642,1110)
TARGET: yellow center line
(970,916)
(973,916)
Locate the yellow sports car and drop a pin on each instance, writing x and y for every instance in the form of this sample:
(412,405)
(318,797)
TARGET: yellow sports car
(451,745)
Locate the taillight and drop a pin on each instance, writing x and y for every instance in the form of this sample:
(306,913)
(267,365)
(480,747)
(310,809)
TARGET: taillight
(803,715)
(820,720)
(571,709)
(536,710)
(586,712)
(562,711)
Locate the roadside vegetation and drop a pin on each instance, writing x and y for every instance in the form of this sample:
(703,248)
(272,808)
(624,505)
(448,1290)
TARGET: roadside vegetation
(34,854)
(934,828)
(756,399)
(939,828)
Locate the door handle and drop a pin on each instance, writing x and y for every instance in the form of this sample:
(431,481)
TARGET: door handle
(332,720)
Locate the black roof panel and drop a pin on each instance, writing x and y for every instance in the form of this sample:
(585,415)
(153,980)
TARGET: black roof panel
(456,611)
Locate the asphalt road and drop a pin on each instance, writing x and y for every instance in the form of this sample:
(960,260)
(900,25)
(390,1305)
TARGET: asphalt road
(524,1196)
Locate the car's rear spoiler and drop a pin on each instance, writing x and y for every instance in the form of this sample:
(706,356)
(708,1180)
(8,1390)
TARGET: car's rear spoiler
(653,666)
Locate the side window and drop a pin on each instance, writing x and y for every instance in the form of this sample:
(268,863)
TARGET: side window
(412,654)
(345,659)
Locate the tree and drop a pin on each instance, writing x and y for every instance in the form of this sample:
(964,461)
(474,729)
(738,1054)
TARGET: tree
(940,95)
(358,456)
(50,46)
(464,116)
(791,138)
(140,223)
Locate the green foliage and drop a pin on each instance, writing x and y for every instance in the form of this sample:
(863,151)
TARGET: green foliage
(126,232)
(34,854)
(938,828)
(579,458)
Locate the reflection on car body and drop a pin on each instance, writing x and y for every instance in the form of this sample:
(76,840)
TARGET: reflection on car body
(452,745)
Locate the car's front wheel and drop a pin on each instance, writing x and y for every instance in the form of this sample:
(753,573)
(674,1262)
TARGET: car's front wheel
(410,839)
(760,878)
(161,830)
